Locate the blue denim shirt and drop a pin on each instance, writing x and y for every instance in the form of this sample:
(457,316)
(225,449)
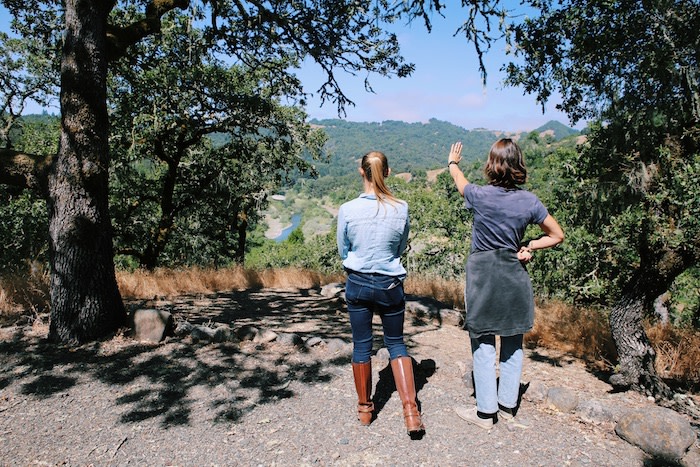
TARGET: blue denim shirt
(372,235)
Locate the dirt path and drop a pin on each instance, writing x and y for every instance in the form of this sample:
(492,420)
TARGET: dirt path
(185,403)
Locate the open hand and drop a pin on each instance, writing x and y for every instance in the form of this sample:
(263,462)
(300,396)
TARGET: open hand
(455,153)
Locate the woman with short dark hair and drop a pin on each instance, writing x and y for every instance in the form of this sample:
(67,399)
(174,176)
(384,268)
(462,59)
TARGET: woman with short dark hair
(499,298)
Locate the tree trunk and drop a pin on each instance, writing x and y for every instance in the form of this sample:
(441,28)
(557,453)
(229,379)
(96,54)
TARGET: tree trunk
(85,299)
(242,228)
(637,357)
(159,238)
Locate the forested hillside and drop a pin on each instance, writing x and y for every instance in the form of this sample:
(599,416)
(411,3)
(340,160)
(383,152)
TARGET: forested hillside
(411,147)
(298,229)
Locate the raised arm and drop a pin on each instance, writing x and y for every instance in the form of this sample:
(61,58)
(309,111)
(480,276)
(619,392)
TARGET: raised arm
(456,173)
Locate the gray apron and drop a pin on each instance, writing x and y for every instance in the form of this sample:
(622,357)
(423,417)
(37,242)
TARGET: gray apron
(499,295)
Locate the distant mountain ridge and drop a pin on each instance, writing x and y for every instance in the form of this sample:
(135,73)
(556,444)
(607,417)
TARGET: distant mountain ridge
(556,129)
(412,147)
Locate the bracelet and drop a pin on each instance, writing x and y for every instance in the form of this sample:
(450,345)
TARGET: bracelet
(452,162)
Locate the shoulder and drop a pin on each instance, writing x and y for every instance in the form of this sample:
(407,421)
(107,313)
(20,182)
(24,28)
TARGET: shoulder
(344,207)
(400,206)
(349,204)
(529,195)
(472,188)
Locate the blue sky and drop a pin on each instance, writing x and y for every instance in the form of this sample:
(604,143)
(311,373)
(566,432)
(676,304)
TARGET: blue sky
(445,85)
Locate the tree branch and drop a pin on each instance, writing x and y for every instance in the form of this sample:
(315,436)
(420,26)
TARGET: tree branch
(24,170)
(121,38)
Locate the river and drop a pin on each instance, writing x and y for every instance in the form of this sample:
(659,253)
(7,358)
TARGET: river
(296,219)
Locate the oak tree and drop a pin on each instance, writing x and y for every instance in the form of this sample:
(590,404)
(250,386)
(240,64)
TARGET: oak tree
(85,300)
(631,67)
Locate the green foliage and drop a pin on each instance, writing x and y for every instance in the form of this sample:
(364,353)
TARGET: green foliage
(631,192)
(24,230)
(320,253)
(684,301)
(296,237)
(196,196)
(554,131)
(410,147)
(23,214)
(27,74)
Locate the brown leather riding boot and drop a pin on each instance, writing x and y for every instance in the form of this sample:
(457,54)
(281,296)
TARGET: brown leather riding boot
(402,368)
(362,372)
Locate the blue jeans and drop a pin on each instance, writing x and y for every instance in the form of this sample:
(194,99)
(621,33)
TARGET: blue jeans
(489,393)
(366,294)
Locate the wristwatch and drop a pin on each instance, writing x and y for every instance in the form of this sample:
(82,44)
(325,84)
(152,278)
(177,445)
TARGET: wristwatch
(452,162)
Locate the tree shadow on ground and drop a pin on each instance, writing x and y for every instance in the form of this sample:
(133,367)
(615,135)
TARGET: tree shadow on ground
(562,359)
(179,380)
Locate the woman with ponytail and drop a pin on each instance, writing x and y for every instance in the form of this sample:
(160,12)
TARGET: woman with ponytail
(372,235)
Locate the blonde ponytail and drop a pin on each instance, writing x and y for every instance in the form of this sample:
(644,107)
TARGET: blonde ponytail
(376,168)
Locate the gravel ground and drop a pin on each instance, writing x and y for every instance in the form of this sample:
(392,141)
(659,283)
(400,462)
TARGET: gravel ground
(185,403)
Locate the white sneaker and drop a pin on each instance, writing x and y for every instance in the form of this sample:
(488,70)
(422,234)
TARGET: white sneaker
(505,415)
(469,415)
(513,422)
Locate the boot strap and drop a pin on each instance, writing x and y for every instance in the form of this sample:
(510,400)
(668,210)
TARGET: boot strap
(365,408)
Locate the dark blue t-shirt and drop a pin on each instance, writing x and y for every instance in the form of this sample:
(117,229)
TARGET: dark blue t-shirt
(501,215)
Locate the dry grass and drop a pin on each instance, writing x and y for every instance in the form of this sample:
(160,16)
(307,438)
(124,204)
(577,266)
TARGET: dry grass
(677,352)
(170,283)
(585,334)
(23,295)
(449,292)
(580,332)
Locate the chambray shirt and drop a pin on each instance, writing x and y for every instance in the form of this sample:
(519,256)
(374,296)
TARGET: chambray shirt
(372,235)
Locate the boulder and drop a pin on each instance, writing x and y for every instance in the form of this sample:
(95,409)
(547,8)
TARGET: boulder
(247,333)
(339,347)
(224,333)
(658,431)
(433,309)
(183,328)
(152,325)
(265,336)
(203,333)
(332,290)
(291,339)
(536,392)
(562,399)
(313,341)
(597,411)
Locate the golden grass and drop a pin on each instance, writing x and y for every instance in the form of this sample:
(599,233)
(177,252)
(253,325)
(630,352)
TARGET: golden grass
(677,352)
(585,334)
(449,292)
(174,282)
(22,294)
(581,332)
